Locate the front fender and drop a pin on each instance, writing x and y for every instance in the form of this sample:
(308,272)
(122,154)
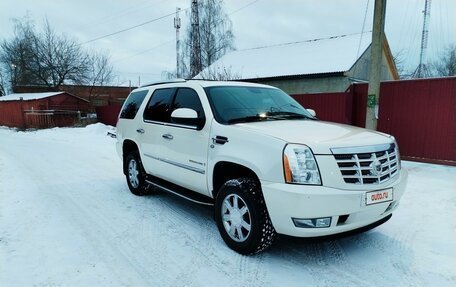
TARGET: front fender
(258,152)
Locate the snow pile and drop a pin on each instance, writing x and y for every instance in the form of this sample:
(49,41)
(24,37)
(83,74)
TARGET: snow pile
(94,132)
(67,218)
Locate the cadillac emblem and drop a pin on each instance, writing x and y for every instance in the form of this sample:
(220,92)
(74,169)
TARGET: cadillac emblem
(376,167)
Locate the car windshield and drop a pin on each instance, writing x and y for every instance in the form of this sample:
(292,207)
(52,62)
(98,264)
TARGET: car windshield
(235,104)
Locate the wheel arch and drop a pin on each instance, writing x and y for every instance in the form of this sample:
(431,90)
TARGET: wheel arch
(226,170)
(127,147)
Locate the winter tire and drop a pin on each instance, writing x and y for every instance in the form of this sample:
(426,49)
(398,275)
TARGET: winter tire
(242,218)
(135,174)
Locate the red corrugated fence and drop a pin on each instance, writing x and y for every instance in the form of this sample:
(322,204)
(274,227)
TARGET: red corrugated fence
(108,114)
(420,114)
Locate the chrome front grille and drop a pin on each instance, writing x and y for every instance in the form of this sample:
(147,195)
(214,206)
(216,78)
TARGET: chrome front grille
(367,165)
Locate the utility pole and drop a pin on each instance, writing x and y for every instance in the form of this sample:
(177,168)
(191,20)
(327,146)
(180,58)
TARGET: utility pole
(177,25)
(373,93)
(422,70)
(195,52)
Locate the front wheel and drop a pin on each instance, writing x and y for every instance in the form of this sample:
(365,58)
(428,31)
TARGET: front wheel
(135,174)
(242,218)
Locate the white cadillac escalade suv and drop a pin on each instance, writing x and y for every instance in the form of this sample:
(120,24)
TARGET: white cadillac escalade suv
(266,164)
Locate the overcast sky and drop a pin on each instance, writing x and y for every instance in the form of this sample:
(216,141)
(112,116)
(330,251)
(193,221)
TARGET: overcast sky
(149,50)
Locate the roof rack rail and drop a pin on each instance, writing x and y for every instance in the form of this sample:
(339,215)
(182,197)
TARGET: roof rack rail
(164,82)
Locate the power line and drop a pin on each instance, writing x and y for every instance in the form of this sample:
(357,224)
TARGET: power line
(361,37)
(362,29)
(245,6)
(137,73)
(129,28)
(135,26)
(144,51)
(303,41)
(114,16)
(154,20)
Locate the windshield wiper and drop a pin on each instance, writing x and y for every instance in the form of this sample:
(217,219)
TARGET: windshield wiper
(270,116)
(254,118)
(289,115)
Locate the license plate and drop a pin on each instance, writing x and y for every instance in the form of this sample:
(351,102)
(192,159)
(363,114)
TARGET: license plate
(379,196)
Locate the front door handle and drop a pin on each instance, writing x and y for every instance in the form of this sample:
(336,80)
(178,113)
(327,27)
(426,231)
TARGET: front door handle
(141,131)
(168,136)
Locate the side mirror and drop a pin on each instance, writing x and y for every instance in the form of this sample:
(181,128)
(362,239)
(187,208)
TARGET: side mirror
(184,113)
(312,112)
(187,117)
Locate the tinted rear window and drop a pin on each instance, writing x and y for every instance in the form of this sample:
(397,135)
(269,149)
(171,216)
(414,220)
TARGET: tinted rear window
(132,104)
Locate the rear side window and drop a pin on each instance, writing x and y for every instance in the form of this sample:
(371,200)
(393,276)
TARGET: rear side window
(188,98)
(132,104)
(159,106)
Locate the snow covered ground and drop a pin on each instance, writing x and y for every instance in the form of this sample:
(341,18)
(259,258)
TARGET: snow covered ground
(67,218)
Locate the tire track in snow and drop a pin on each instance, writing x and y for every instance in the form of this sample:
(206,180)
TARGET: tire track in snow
(204,241)
(246,270)
(409,276)
(3,235)
(400,243)
(251,269)
(75,216)
(100,233)
(324,257)
(170,227)
(95,227)
(195,224)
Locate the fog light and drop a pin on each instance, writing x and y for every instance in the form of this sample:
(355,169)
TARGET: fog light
(312,222)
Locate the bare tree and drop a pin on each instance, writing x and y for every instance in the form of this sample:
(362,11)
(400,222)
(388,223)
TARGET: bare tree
(216,32)
(16,55)
(399,61)
(219,74)
(43,57)
(58,58)
(216,36)
(2,85)
(100,69)
(100,74)
(445,65)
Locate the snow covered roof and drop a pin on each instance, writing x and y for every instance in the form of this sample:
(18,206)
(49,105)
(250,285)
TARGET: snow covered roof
(326,55)
(29,96)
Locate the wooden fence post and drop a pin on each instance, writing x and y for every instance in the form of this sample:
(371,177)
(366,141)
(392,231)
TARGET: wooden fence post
(23,118)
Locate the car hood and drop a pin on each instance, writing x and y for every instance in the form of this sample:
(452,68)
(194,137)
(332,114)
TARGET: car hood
(320,136)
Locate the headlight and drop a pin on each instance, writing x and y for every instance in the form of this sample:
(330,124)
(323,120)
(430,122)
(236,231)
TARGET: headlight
(299,165)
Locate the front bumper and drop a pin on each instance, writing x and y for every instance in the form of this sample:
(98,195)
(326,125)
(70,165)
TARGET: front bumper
(287,201)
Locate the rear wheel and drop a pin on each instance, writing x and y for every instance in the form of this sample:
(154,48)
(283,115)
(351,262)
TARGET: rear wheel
(135,174)
(242,217)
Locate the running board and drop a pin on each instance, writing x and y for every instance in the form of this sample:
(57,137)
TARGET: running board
(180,191)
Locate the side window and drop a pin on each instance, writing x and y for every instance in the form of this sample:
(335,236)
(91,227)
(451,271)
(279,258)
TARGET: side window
(158,108)
(188,98)
(132,104)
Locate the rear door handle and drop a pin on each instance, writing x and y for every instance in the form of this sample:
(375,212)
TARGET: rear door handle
(168,136)
(141,131)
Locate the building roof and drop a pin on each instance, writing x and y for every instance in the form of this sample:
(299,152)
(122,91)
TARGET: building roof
(318,56)
(34,96)
(29,96)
